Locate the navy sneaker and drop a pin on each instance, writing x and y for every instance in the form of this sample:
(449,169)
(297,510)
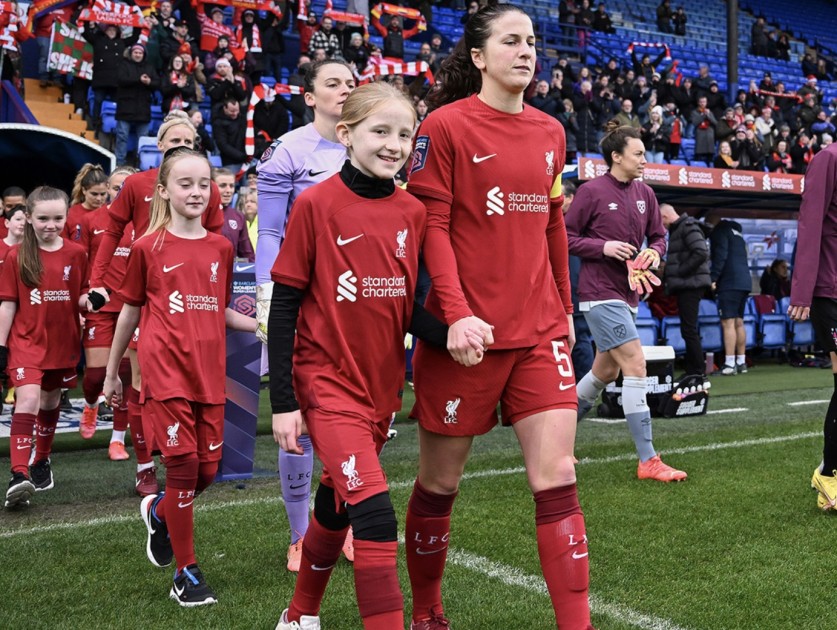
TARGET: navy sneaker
(19,492)
(158,545)
(41,475)
(189,588)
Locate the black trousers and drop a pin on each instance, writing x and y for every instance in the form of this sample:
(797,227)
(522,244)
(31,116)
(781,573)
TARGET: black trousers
(688,303)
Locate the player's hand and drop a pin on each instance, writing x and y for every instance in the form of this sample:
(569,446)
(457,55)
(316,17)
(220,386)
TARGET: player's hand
(647,259)
(113,390)
(264,294)
(467,340)
(799,313)
(619,250)
(641,280)
(287,427)
(97,297)
(571,332)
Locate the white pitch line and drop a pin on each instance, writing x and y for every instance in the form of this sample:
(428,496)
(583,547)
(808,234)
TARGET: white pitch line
(730,410)
(806,402)
(400,485)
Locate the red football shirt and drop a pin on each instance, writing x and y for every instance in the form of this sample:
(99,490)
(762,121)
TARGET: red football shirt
(133,204)
(496,244)
(75,215)
(357,261)
(93,228)
(46,333)
(184,286)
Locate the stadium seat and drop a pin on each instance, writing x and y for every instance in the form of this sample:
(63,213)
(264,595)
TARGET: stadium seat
(801,334)
(215,161)
(156,119)
(709,325)
(670,332)
(148,154)
(108,116)
(750,324)
(646,326)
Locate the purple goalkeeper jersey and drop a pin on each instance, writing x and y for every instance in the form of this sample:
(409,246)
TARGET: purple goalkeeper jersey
(292,164)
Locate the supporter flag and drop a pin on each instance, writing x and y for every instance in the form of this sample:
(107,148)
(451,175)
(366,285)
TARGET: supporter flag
(382,67)
(14,24)
(404,12)
(111,12)
(69,52)
(253,5)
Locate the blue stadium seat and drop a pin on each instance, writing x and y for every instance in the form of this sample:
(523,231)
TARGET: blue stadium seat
(215,161)
(646,326)
(709,325)
(800,334)
(156,119)
(108,116)
(750,324)
(149,156)
(670,332)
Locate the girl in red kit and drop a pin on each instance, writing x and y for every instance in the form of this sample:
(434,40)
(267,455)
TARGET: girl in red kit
(15,222)
(97,335)
(90,191)
(40,290)
(345,279)
(180,275)
(486,194)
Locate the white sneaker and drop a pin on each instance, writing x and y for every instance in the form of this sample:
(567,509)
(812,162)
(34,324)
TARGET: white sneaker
(305,622)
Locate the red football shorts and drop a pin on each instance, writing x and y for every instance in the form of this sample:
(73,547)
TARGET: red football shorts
(349,447)
(49,380)
(180,427)
(456,400)
(99,329)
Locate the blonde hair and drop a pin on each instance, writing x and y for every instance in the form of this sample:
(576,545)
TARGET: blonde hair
(29,256)
(160,209)
(89,175)
(371,98)
(173,119)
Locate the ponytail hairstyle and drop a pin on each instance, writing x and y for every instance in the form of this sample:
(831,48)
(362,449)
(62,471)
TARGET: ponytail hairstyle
(160,209)
(173,119)
(616,139)
(29,256)
(312,71)
(88,176)
(458,77)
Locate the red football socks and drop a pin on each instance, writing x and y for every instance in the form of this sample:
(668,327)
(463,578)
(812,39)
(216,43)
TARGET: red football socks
(20,443)
(427,534)
(320,552)
(176,508)
(45,427)
(379,597)
(135,422)
(562,547)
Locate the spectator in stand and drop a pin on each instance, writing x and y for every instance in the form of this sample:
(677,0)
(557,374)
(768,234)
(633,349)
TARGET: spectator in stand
(223,86)
(731,281)
(222,49)
(810,87)
(545,101)
(137,83)
(664,15)
(802,152)
(307,30)
(627,117)
(725,129)
(177,86)
(715,100)
(826,140)
(679,20)
(779,160)
(703,81)
(228,129)
(783,47)
(724,158)
(612,69)
(357,52)
(776,280)
(807,112)
(325,38)
(108,55)
(822,70)
(809,64)
(641,93)
(426,55)
(686,276)
(747,150)
(271,119)
(301,113)
(234,228)
(569,120)
(43,33)
(704,122)
(656,136)
(677,124)
(274,46)
(204,141)
(248,34)
(785,134)
(584,20)
(766,130)
(421,111)
(588,127)
(473,7)
(177,42)
(758,38)
(559,86)
(645,66)
(685,99)
(822,125)
(436,47)
(394,36)
(602,21)
(212,29)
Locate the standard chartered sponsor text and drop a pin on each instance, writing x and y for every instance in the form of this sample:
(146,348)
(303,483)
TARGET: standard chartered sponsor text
(523,202)
(61,295)
(377,287)
(202,303)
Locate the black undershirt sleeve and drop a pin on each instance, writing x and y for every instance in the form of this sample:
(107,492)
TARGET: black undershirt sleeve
(426,327)
(281,328)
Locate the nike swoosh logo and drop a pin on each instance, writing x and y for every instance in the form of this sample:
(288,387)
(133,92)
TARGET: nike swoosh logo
(579,556)
(341,241)
(185,505)
(20,448)
(477,159)
(302,485)
(47,434)
(172,268)
(214,447)
(316,568)
(148,198)
(99,231)
(422,552)
(245,267)
(67,380)
(313,173)
(179,591)
(565,386)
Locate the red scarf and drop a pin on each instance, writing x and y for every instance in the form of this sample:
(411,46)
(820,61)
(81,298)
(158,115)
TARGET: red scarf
(256,47)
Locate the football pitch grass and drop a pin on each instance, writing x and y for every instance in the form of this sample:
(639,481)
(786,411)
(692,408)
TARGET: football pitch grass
(739,545)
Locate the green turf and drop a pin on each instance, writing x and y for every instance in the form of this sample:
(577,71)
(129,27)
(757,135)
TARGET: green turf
(740,545)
